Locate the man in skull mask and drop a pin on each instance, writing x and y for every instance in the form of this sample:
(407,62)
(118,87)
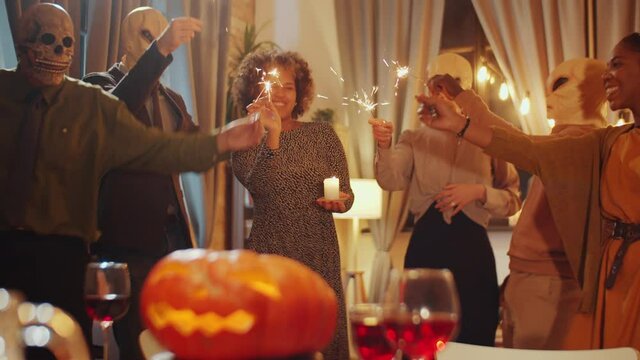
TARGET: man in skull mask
(143,215)
(542,293)
(58,137)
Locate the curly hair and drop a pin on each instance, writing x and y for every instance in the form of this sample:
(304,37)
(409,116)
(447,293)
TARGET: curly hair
(246,87)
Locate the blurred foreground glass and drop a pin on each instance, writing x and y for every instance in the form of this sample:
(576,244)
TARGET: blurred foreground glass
(369,332)
(107,289)
(429,316)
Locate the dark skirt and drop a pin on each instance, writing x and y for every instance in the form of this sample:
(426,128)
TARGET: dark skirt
(462,247)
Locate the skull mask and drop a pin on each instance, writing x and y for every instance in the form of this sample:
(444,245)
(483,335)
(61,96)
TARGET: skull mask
(455,65)
(139,28)
(575,94)
(45,43)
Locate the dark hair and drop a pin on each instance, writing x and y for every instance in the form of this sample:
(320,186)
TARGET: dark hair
(632,41)
(246,85)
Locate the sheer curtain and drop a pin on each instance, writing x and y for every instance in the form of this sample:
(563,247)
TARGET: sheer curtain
(370,31)
(8,58)
(529,39)
(614,20)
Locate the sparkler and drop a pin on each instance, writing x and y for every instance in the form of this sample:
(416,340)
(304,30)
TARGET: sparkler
(364,101)
(267,85)
(402,72)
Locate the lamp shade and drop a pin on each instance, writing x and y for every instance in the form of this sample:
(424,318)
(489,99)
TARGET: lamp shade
(367,203)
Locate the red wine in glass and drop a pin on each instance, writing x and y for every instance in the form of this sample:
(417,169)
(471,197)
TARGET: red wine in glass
(371,341)
(426,337)
(106,291)
(108,307)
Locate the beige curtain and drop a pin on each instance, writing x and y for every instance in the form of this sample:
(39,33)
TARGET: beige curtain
(208,58)
(529,39)
(615,20)
(370,31)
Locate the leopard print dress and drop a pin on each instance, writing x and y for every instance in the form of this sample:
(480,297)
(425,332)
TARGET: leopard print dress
(285,184)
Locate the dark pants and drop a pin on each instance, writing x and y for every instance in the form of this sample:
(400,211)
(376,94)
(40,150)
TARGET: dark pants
(462,247)
(46,268)
(128,328)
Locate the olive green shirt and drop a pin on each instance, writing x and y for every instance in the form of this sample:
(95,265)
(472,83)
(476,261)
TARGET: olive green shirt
(85,133)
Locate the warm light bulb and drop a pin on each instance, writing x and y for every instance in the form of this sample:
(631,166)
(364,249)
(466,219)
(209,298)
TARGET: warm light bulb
(525,106)
(483,74)
(551,123)
(503,94)
(492,80)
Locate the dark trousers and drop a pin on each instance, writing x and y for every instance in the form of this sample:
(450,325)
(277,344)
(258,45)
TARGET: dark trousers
(46,268)
(128,329)
(462,247)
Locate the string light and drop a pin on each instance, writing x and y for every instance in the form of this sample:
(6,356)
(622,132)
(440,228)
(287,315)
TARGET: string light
(503,93)
(483,74)
(551,122)
(525,105)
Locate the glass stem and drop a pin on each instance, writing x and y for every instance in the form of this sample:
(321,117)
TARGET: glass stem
(105,325)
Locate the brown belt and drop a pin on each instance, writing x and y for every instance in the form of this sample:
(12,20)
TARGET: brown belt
(628,233)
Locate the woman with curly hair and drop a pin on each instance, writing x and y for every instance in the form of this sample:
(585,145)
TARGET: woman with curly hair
(285,173)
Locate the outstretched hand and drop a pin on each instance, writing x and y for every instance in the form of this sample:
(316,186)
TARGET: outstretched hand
(240,135)
(445,116)
(444,85)
(382,132)
(179,31)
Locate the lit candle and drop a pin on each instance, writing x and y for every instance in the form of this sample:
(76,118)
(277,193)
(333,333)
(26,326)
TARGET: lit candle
(332,188)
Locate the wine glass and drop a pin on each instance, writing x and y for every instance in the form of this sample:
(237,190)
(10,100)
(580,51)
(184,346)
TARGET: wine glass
(368,331)
(430,312)
(107,289)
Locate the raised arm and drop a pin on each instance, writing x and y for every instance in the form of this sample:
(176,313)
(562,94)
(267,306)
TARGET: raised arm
(393,165)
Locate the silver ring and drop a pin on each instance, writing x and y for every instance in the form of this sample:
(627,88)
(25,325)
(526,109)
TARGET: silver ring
(433,112)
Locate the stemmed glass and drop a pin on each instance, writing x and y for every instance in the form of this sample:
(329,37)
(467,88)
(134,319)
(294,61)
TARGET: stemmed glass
(431,311)
(369,332)
(107,289)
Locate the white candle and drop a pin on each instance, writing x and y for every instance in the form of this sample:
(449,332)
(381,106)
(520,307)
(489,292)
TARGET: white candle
(332,188)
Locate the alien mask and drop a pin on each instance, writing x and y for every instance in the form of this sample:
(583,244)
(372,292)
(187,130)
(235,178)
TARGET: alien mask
(575,94)
(139,28)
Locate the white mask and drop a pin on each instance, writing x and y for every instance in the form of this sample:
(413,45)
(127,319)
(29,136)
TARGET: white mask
(575,92)
(139,28)
(455,65)
(45,43)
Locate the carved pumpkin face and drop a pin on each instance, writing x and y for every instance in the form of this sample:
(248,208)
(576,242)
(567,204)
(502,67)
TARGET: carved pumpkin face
(203,304)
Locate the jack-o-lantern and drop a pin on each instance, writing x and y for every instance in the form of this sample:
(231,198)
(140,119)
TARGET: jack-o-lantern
(204,304)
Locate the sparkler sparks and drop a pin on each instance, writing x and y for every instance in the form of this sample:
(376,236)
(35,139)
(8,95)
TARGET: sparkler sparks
(267,80)
(365,101)
(402,72)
